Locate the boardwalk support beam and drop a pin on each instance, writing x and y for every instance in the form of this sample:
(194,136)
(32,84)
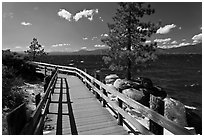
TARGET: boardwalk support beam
(157,105)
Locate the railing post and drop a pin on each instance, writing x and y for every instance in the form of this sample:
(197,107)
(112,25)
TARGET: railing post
(97,76)
(45,71)
(157,105)
(105,94)
(37,99)
(120,103)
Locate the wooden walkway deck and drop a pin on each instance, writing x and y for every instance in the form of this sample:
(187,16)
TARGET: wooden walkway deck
(74,110)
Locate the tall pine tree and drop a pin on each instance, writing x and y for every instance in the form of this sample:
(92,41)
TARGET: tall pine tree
(35,49)
(127,36)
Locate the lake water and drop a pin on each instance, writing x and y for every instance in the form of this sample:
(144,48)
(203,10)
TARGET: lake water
(179,75)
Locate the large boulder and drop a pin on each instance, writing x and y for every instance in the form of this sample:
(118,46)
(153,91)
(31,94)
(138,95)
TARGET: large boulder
(110,79)
(175,111)
(125,84)
(141,96)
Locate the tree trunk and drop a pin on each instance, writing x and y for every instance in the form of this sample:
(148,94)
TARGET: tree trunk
(129,69)
(129,47)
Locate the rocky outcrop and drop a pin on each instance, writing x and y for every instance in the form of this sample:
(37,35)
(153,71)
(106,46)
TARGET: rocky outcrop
(110,79)
(141,96)
(175,111)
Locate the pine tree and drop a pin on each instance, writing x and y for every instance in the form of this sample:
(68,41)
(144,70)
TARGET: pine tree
(127,36)
(35,49)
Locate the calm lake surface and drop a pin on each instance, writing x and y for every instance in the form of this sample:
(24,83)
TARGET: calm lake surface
(179,75)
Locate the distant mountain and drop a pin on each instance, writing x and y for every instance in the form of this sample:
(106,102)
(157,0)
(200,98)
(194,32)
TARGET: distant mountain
(82,52)
(190,49)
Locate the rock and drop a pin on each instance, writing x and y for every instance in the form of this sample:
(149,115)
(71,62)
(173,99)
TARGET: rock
(110,79)
(125,84)
(117,83)
(175,111)
(137,95)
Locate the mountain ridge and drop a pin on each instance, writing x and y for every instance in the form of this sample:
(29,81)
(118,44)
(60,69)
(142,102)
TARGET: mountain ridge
(189,49)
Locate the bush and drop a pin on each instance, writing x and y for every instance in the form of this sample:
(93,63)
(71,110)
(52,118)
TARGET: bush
(15,69)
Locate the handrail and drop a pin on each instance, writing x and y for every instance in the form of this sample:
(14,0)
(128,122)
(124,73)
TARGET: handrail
(147,112)
(35,124)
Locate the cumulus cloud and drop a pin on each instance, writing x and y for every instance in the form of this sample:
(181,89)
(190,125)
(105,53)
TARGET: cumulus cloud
(85,13)
(162,40)
(99,46)
(174,42)
(197,38)
(26,23)
(166,29)
(60,45)
(180,28)
(65,14)
(84,38)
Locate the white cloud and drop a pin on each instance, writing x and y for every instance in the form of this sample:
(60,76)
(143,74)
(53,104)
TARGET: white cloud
(197,38)
(85,13)
(148,41)
(200,28)
(184,44)
(174,45)
(60,45)
(99,46)
(162,40)
(104,35)
(166,29)
(142,29)
(26,23)
(83,47)
(174,42)
(180,28)
(65,14)
(183,39)
(94,38)
(84,38)
(101,19)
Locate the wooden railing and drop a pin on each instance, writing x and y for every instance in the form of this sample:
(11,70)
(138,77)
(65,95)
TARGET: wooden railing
(36,121)
(101,90)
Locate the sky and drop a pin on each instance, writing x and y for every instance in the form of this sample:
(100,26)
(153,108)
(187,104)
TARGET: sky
(70,26)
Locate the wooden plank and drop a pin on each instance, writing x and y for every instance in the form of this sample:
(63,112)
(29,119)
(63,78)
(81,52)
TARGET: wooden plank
(93,116)
(53,108)
(92,120)
(102,131)
(96,126)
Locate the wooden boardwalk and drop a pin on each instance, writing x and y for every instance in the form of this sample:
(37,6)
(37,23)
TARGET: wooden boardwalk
(74,110)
